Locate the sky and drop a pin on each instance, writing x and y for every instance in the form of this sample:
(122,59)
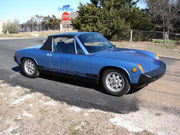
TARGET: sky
(23,10)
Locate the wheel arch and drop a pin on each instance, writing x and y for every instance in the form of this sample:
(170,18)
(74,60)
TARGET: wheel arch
(28,58)
(113,67)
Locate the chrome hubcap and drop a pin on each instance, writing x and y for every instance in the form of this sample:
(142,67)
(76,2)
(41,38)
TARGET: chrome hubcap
(115,82)
(29,67)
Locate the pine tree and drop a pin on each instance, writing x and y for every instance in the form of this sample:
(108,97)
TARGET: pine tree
(110,16)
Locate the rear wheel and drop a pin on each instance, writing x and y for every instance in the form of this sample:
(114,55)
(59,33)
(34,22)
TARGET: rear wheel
(30,68)
(115,82)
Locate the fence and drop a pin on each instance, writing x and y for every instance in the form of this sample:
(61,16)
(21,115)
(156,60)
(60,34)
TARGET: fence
(141,35)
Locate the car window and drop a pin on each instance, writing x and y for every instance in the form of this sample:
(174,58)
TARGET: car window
(64,45)
(94,42)
(47,46)
(79,50)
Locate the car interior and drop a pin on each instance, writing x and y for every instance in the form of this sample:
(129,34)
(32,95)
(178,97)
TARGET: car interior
(63,47)
(67,47)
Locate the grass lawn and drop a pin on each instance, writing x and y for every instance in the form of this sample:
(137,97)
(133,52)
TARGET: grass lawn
(161,41)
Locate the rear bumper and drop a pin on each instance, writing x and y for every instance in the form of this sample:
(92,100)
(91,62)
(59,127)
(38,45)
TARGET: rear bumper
(153,75)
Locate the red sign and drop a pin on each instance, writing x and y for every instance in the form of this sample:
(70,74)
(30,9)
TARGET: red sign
(65,16)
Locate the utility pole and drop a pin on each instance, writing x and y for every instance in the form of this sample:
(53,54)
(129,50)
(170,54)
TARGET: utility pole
(131,36)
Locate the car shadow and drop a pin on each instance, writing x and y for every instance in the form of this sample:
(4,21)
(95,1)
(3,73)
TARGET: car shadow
(16,69)
(73,80)
(68,79)
(122,104)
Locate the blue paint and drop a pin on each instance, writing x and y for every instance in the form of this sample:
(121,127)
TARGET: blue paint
(91,63)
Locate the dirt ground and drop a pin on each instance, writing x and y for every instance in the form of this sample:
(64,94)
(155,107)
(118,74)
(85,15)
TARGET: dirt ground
(22,113)
(172,51)
(35,34)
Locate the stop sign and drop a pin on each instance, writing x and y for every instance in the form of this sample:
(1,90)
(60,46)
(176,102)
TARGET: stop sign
(65,16)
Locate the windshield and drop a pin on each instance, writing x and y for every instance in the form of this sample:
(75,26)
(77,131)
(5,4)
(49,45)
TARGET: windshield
(94,42)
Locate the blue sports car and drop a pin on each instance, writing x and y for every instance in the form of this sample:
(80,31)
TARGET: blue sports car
(89,54)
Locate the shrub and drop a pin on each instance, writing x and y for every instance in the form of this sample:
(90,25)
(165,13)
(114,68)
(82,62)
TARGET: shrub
(10,27)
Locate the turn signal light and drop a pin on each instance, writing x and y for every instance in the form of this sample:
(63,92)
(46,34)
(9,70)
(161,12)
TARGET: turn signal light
(157,56)
(140,67)
(134,69)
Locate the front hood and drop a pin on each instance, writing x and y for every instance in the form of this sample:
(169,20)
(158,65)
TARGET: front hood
(131,55)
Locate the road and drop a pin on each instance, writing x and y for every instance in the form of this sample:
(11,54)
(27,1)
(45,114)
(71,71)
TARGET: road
(163,94)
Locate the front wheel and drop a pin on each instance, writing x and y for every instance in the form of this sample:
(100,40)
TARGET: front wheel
(115,82)
(30,68)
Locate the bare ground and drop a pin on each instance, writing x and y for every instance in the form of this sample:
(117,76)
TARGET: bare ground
(22,113)
(172,51)
(35,34)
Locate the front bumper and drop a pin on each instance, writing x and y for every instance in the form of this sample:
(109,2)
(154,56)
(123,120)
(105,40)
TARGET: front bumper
(153,75)
(15,59)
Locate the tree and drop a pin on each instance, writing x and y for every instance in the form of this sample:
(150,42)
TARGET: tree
(110,16)
(164,12)
(31,24)
(38,23)
(54,23)
(45,22)
(177,24)
(39,19)
(11,27)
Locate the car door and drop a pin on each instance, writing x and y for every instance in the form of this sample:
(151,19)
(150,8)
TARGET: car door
(66,59)
(43,58)
(43,55)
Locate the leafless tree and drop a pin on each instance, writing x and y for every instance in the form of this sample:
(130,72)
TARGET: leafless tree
(39,20)
(11,27)
(178,12)
(167,11)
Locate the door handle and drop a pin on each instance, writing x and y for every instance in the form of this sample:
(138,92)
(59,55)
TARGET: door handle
(49,54)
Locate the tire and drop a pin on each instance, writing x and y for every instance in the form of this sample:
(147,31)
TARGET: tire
(115,82)
(29,68)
